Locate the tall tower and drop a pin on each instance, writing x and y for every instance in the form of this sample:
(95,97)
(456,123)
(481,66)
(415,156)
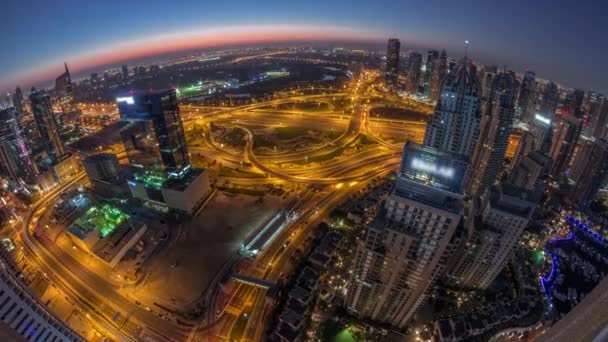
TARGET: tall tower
(454,125)
(411,239)
(18,102)
(438,74)
(525,100)
(566,134)
(431,58)
(47,124)
(63,91)
(154,137)
(494,133)
(14,153)
(550,99)
(392,63)
(505,213)
(589,171)
(414,73)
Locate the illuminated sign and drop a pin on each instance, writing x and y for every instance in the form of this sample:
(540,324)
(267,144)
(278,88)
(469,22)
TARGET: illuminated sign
(421,165)
(542,119)
(127,99)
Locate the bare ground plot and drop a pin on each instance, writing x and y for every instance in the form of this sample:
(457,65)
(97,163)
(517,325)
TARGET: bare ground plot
(181,272)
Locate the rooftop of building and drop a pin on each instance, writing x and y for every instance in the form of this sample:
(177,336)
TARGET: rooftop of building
(180,184)
(98,157)
(107,249)
(511,199)
(103,220)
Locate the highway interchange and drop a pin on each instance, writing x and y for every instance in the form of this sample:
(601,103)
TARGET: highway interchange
(325,185)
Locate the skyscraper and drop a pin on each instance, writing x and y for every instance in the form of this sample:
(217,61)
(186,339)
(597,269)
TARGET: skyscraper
(411,239)
(538,137)
(431,60)
(154,137)
(494,133)
(47,124)
(505,212)
(530,173)
(566,134)
(438,74)
(18,102)
(63,91)
(392,63)
(577,104)
(454,125)
(414,73)
(15,156)
(525,100)
(125,72)
(550,99)
(589,171)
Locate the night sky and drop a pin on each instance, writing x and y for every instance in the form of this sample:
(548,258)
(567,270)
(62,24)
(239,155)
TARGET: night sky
(566,41)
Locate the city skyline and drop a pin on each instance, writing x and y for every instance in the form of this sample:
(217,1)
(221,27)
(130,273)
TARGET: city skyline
(528,45)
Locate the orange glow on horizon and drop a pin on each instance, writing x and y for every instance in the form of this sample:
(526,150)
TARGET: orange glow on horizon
(190,40)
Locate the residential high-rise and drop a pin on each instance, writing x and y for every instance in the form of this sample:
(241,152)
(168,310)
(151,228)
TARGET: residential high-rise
(454,125)
(25,316)
(538,137)
(391,74)
(431,60)
(599,116)
(18,102)
(589,171)
(105,173)
(505,213)
(494,134)
(408,244)
(575,103)
(414,73)
(125,72)
(438,73)
(525,101)
(47,124)
(567,130)
(154,137)
(63,91)
(550,99)
(15,156)
(530,173)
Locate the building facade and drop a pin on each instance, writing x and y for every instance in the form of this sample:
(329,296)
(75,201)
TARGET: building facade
(410,240)
(454,126)
(391,74)
(47,125)
(15,155)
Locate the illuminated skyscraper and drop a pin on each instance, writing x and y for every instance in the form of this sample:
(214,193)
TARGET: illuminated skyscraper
(47,124)
(63,91)
(431,61)
(438,73)
(525,100)
(504,214)
(125,72)
(494,133)
(154,137)
(18,102)
(454,126)
(414,73)
(14,153)
(392,63)
(566,134)
(589,171)
(550,99)
(576,104)
(411,239)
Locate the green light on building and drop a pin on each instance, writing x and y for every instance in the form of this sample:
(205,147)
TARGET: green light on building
(104,219)
(151,179)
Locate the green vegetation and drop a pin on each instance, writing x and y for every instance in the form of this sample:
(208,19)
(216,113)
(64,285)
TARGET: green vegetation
(260,140)
(333,135)
(286,133)
(320,158)
(104,219)
(337,332)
